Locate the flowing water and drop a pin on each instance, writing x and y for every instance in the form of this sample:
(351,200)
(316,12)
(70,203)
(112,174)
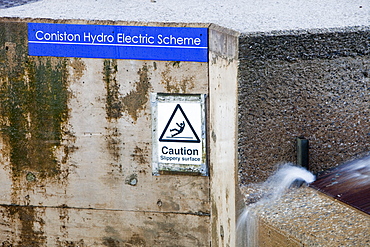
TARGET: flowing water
(286,177)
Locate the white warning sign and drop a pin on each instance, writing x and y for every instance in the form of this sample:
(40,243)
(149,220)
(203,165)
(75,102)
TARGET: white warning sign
(179,128)
(179,133)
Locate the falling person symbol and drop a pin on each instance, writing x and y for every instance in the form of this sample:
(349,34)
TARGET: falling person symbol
(180,130)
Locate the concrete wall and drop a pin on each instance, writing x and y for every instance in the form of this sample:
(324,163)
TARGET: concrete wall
(313,84)
(223,67)
(76,145)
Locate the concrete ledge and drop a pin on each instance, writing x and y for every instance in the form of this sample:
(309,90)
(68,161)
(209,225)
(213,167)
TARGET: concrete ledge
(306,217)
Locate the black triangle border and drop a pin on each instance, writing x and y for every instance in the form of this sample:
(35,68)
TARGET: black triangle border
(178,107)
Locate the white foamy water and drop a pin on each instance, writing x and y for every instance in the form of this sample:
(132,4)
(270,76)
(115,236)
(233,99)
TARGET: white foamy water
(286,177)
(357,171)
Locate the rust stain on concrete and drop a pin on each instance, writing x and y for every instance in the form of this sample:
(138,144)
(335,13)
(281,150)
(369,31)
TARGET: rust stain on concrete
(78,67)
(64,220)
(66,243)
(140,155)
(135,101)
(114,147)
(173,84)
(114,142)
(135,240)
(114,239)
(30,223)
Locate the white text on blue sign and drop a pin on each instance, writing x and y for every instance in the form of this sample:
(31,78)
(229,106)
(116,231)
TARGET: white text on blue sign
(118,42)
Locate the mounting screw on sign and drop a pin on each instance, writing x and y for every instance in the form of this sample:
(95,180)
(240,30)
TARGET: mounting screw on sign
(179,133)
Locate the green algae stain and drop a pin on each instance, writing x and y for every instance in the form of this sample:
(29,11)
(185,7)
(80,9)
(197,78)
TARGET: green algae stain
(113,104)
(33,116)
(33,107)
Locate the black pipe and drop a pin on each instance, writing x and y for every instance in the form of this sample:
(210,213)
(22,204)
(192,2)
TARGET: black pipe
(302,152)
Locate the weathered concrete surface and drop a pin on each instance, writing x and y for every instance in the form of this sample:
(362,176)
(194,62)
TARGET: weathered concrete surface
(99,147)
(75,134)
(223,64)
(52,226)
(76,145)
(306,217)
(313,84)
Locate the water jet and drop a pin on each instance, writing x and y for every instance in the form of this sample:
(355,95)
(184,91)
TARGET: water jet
(286,177)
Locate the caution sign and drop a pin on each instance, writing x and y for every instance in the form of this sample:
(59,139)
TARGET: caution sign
(179,128)
(179,134)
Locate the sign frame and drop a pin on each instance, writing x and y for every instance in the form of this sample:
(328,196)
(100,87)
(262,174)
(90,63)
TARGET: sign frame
(179,134)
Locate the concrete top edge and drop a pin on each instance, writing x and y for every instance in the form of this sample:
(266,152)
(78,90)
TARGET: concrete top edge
(349,29)
(127,23)
(106,22)
(224,30)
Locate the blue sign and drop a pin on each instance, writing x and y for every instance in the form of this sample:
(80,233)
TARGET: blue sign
(118,42)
